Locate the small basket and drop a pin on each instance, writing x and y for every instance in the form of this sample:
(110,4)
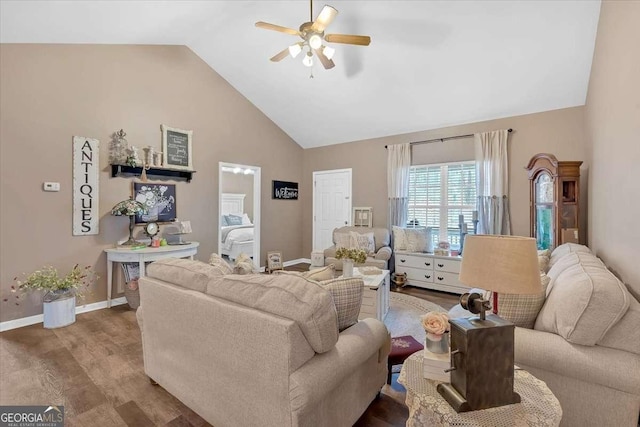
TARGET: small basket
(132,295)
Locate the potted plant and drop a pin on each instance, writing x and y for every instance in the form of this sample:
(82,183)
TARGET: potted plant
(59,300)
(350,256)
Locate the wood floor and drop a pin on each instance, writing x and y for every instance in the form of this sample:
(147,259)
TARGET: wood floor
(94,368)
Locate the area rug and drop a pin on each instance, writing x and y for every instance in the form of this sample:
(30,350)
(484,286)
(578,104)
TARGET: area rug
(404,314)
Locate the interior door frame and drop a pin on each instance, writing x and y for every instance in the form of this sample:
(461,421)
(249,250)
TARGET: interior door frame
(256,206)
(313,200)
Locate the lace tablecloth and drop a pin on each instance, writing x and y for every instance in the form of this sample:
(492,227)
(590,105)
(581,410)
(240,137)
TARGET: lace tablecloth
(539,407)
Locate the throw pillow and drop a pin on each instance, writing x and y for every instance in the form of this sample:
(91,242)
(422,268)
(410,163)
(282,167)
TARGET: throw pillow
(400,242)
(218,262)
(418,240)
(223,221)
(343,240)
(543,260)
(364,241)
(244,265)
(234,220)
(347,297)
(522,310)
(325,273)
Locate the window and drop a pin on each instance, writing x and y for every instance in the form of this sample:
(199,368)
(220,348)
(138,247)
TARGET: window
(438,195)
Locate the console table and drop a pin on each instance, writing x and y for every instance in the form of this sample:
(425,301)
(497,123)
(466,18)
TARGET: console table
(426,270)
(539,407)
(124,254)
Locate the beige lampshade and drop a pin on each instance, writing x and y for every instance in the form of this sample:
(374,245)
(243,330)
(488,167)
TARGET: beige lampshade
(503,264)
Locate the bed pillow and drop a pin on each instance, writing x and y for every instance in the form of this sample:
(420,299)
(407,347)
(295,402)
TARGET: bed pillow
(234,220)
(246,220)
(223,221)
(347,297)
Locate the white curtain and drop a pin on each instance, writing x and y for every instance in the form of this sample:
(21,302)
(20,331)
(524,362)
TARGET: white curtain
(492,182)
(398,163)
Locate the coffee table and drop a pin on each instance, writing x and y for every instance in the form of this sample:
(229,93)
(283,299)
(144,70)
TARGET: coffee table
(539,407)
(375,298)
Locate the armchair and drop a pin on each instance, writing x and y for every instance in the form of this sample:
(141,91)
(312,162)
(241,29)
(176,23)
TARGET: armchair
(379,258)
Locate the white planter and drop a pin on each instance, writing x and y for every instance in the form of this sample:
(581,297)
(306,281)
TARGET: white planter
(347,268)
(59,312)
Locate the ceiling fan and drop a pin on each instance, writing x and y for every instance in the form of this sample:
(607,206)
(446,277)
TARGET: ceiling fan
(312,35)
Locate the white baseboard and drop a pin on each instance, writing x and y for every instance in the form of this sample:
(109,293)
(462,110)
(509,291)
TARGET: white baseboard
(296,261)
(32,320)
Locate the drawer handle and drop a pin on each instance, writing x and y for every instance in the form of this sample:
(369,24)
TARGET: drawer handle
(440,265)
(402,260)
(427,264)
(427,276)
(440,278)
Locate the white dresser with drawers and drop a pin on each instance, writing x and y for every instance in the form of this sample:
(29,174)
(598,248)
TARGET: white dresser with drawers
(430,271)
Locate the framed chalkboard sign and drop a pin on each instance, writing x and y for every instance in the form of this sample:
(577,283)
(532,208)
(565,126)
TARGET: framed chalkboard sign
(176,148)
(285,190)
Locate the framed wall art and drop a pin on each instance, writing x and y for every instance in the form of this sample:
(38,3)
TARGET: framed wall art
(177,148)
(159,199)
(274,261)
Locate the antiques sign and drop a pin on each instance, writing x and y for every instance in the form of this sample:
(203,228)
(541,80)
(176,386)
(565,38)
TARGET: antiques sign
(86,163)
(285,190)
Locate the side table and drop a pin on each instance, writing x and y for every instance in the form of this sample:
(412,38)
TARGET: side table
(141,256)
(539,407)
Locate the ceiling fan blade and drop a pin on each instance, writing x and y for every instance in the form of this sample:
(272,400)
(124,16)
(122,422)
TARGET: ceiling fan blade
(280,55)
(326,62)
(348,39)
(267,26)
(326,16)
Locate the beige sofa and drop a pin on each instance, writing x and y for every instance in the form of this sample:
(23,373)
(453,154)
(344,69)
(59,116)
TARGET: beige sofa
(586,341)
(380,257)
(257,350)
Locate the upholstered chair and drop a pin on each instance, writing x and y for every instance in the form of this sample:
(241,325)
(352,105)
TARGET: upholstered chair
(378,257)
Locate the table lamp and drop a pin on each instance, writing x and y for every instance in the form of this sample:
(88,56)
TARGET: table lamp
(131,208)
(482,346)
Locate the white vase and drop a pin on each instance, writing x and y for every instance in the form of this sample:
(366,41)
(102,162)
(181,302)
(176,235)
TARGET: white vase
(59,309)
(347,268)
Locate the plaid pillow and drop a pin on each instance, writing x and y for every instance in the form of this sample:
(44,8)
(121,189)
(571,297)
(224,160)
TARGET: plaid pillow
(522,310)
(347,297)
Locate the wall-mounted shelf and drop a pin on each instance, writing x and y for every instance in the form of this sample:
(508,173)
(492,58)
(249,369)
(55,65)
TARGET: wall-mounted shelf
(129,171)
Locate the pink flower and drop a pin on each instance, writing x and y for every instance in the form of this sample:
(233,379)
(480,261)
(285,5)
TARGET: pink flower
(435,323)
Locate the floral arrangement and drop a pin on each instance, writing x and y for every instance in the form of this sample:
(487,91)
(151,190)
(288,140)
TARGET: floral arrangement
(435,324)
(153,195)
(358,256)
(47,279)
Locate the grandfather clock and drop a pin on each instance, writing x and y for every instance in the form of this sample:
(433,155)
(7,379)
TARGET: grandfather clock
(554,200)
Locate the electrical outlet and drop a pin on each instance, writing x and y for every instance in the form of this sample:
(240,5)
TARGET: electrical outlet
(51,186)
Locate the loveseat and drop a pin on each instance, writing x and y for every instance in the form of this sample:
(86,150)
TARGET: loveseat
(378,255)
(586,341)
(257,350)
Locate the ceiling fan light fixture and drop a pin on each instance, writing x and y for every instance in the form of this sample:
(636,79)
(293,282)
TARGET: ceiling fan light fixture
(294,50)
(315,41)
(308,60)
(328,51)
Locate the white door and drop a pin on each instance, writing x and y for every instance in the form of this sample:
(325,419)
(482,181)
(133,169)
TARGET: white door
(331,205)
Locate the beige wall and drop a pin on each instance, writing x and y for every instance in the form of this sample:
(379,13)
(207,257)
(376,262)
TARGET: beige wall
(48,93)
(613,129)
(560,132)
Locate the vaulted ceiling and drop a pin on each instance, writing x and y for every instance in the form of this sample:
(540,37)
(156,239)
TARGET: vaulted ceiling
(430,63)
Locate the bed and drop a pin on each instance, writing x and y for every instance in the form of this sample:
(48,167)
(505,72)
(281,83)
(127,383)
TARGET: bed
(235,238)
